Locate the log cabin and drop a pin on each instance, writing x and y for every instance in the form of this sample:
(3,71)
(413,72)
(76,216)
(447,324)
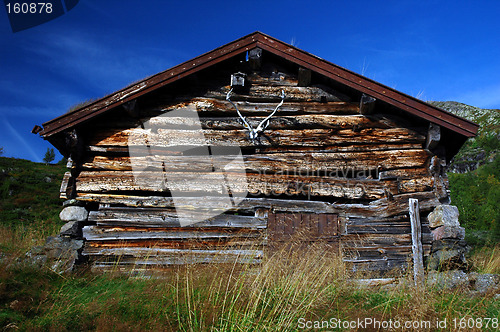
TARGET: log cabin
(246,147)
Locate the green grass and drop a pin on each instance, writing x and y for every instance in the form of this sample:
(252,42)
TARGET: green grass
(275,297)
(477,195)
(29,203)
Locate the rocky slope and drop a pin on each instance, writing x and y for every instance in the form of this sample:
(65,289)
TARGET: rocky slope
(479,150)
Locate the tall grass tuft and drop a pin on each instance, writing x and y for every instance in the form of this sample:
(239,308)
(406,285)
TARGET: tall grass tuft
(487,259)
(273,296)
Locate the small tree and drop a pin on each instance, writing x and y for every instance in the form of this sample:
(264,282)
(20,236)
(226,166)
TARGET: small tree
(50,155)
(1,150)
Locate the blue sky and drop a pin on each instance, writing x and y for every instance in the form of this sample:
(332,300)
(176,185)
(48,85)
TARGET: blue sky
(433,50)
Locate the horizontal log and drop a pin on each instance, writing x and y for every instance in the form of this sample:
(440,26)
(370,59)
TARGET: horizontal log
(387,207)
(343,147)
(340,147)
(403,173)
(306,137)
(206,107)
(337,164)
(102,233)
(352,241)
(416,185)
(142,252)
(213,183)
(379,229)
(247,205)
(268,79)
(138,217)
(292,93)
(128,264)
(205,244)
(374,254)
(380,264)
(383,208)
(376,220)
(361,252)
(392,228)
(308,121)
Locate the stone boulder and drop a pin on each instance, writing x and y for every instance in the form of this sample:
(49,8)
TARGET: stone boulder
(59,254)
(72,229)
(448,280)
(448,254)
(74,216)
(474,282)
(444,215)
(74,213)
(448,232)
(484,283)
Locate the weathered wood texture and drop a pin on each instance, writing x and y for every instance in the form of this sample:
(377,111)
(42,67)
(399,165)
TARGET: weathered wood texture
(416,239)
(319,157)
(284,227)
(433,136)
(266,184)
(313,162)
(304,137)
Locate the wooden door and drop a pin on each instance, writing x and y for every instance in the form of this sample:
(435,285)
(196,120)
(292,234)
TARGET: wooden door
(302,228)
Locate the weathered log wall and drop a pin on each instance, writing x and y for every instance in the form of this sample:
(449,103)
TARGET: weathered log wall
(318,155)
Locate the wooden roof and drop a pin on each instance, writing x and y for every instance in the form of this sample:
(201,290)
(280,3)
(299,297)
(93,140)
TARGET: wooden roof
(257,39)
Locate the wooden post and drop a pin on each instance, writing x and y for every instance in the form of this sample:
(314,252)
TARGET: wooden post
(416,237)
(367,104)
(304,78)
(433,136)
(255,58)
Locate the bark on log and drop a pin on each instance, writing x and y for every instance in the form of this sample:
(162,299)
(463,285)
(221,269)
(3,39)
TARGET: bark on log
(259,93)
(209,182)
(339,164)
(140,217)
(306,121)
(107,233)
(382,208)
(305,137)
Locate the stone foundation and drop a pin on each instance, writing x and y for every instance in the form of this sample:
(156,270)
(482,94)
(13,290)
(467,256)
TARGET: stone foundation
(60,253)
(448,247)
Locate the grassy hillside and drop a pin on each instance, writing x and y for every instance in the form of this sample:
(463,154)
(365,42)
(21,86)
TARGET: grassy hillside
(477,195)
(482,149)
(29,203)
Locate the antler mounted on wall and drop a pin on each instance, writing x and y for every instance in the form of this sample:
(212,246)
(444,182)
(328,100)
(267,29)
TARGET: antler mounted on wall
(255,132)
